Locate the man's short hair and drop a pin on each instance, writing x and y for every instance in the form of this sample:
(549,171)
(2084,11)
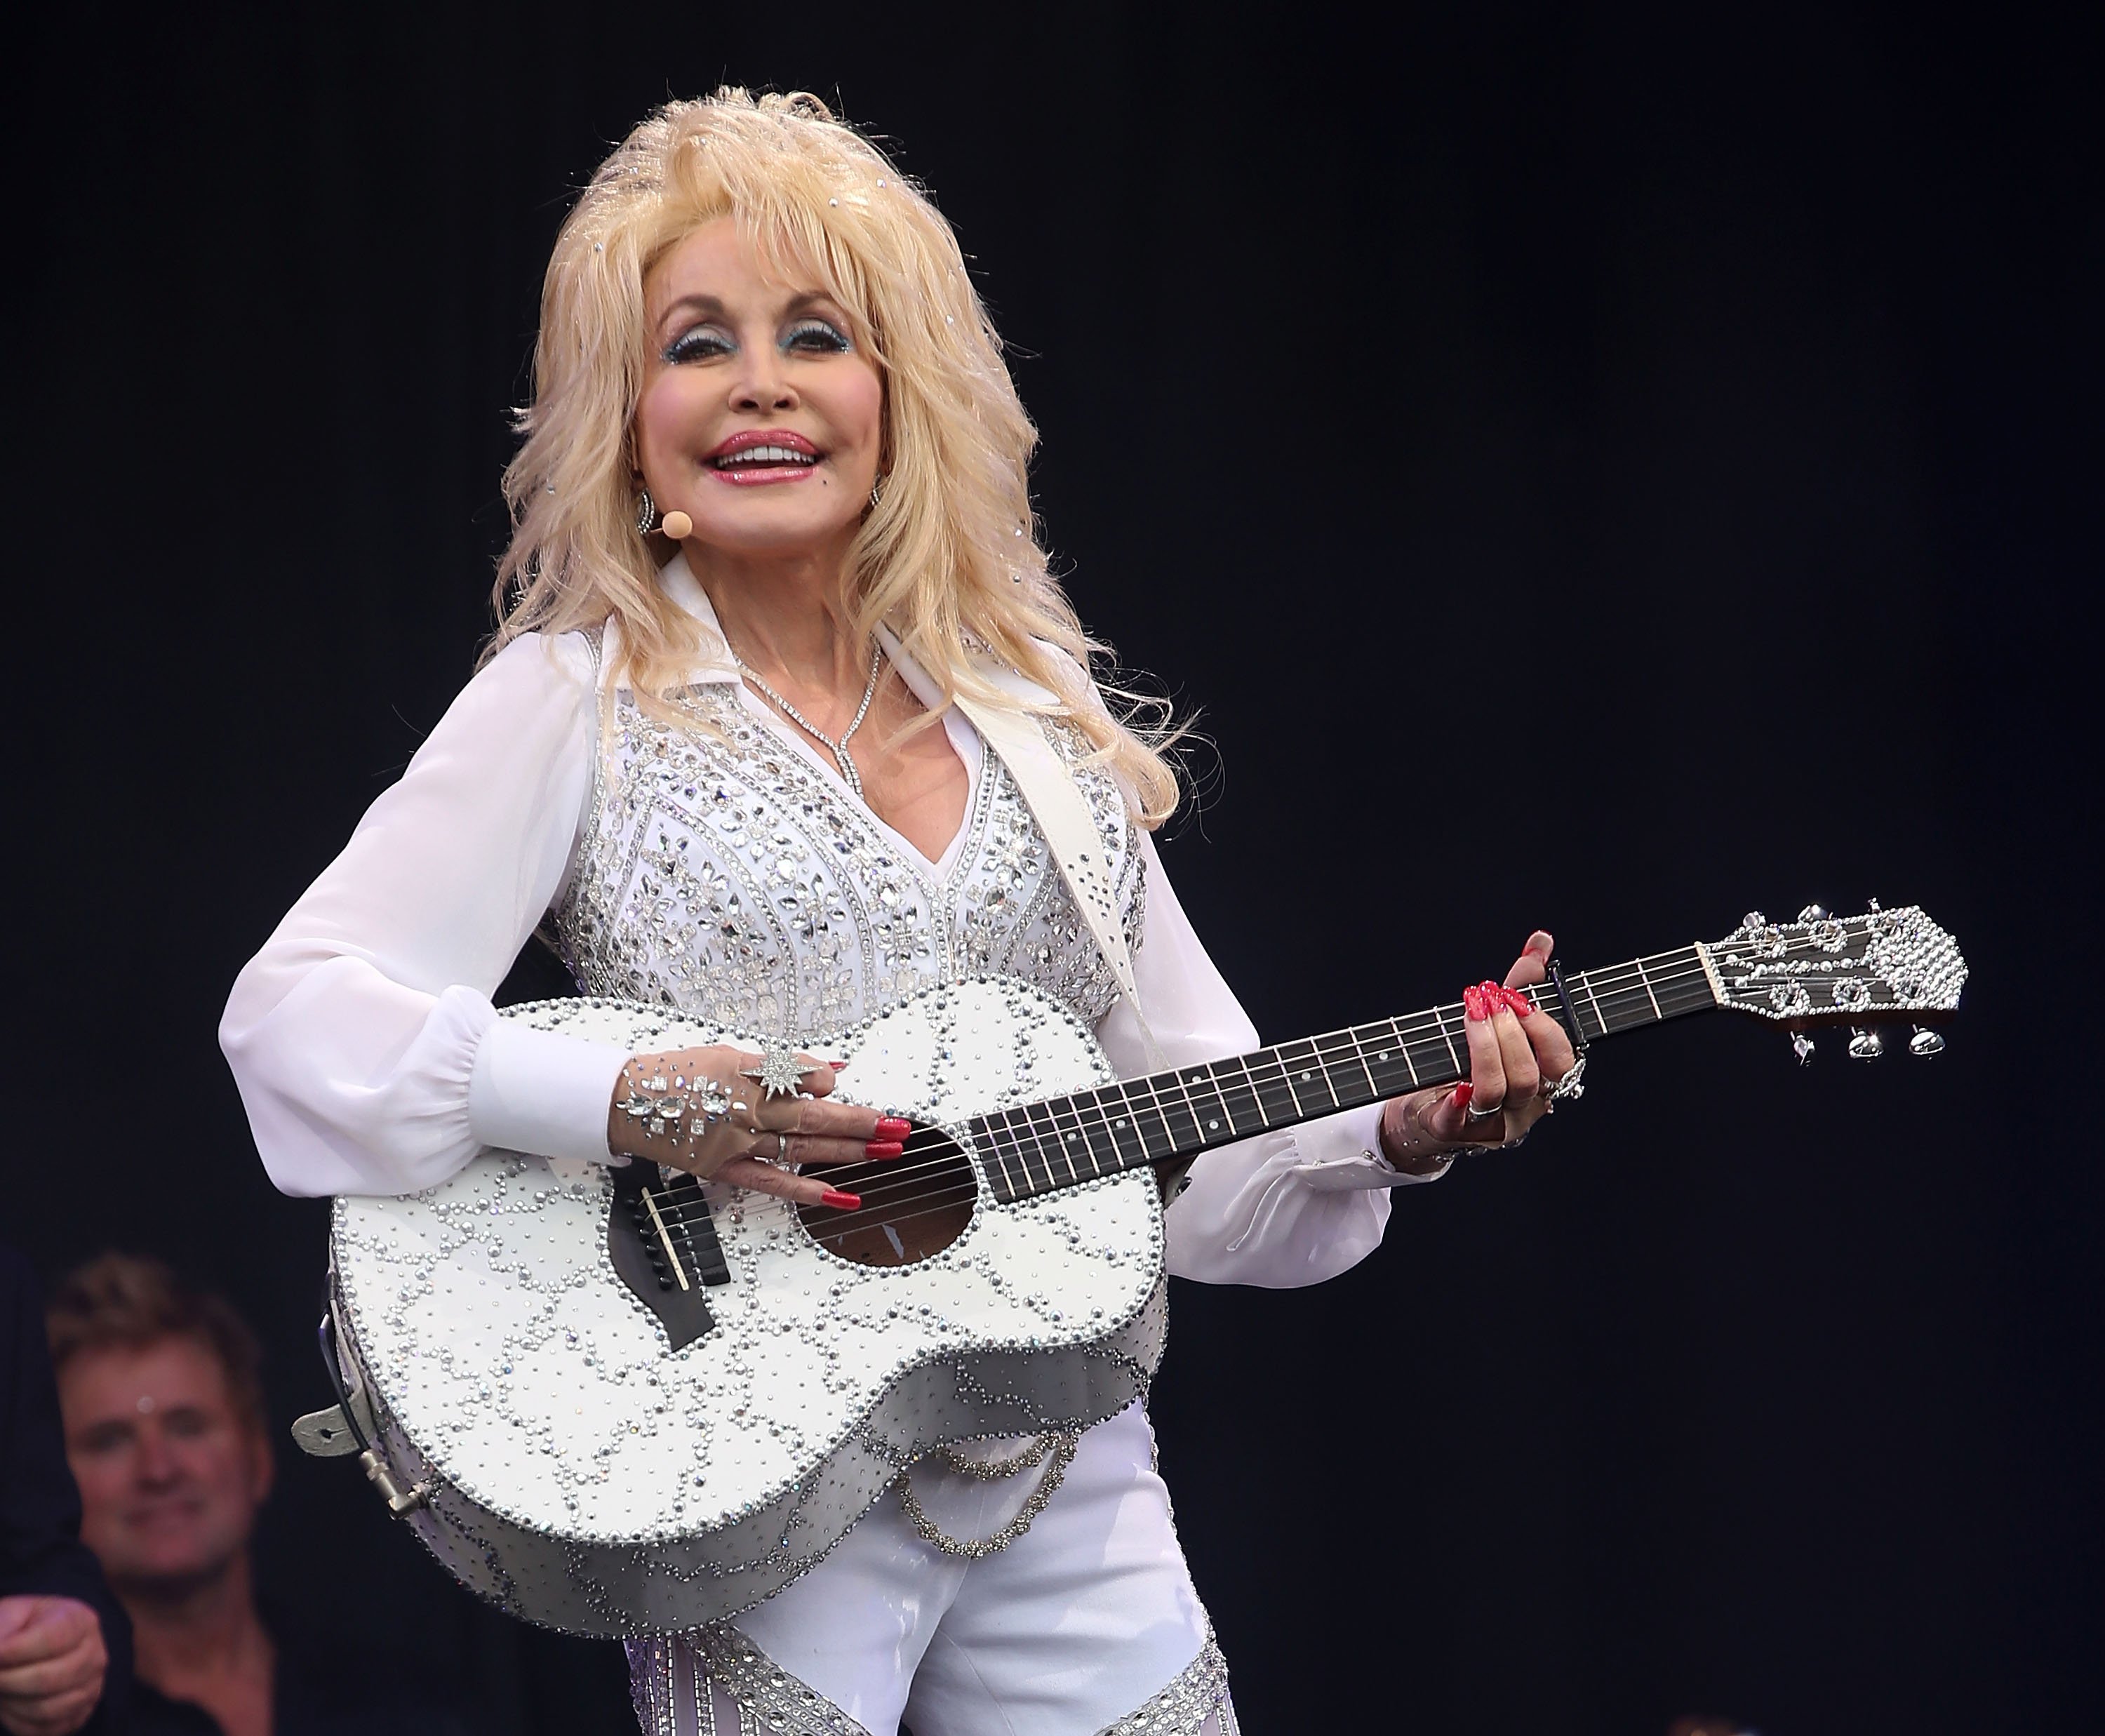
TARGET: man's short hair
(120,1301)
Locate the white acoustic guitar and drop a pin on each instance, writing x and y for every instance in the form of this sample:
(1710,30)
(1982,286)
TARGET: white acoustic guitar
(614,1400)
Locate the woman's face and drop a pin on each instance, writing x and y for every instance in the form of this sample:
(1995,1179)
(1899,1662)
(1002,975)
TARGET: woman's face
(760,418)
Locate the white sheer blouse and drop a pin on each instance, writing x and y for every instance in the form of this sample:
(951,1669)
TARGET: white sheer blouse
(370,1059)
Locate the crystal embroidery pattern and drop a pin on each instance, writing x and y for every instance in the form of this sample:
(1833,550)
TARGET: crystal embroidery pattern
(723,874)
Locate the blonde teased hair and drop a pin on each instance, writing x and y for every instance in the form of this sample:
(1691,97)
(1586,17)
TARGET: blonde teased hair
(948,558)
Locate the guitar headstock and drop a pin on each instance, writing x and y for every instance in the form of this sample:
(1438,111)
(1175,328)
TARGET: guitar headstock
(1884,965)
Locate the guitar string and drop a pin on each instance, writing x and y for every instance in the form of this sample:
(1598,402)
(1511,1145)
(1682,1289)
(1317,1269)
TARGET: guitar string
(880,1188)
(1144,1092)
(1152,1093)
(1349,1046)
(1411,1028)
(1167,1092)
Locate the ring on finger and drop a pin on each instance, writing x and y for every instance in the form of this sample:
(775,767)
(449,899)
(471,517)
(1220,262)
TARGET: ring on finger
(1478,1112)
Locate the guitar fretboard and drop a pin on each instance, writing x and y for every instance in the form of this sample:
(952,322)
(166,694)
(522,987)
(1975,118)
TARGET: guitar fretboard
(1065,1141)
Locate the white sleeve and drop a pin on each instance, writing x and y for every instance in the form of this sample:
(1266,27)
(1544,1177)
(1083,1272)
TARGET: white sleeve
(1281,1208)
(362,1036)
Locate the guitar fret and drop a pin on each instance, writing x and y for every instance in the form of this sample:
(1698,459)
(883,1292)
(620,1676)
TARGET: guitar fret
(1045,1141)
(1117,1124)
(1220,1098)
(1030,1143)
(1160,1109)
(1303,1066)
(1685,986)
(1402,1052)
(1432,1058)
(1017,1123)
(1191,1109)
(1079,1133)
(1108,1118)
(1269,1086)
(1440,1018)
(1250,1110)
(1065,1153)
(1128,1121)
(1367,1065)
(992,1128)
(1323,1072)
(1286,1079)
(1149,1121)
(1646,982)
(1162,1116)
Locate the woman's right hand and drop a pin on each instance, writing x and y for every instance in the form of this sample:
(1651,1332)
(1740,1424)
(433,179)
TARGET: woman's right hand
(755,1141)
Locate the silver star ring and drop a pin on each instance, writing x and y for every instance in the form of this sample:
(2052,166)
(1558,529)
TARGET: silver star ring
(781,1073)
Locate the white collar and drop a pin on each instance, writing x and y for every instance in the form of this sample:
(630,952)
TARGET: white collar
(678,582)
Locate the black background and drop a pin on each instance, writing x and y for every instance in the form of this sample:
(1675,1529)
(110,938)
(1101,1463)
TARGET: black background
(1593,469)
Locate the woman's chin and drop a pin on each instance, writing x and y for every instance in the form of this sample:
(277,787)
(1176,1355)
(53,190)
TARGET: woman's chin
(757,533)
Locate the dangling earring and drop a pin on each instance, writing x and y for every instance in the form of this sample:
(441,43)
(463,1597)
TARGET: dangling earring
(646,512)
(876,493)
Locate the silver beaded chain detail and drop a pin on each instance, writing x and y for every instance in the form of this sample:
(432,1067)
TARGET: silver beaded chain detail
(1056,1449)
(838,750)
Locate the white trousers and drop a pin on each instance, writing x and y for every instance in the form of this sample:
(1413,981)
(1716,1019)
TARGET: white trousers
(1087,1623)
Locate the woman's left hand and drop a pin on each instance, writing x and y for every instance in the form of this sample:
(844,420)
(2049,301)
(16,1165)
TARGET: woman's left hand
(1518,1053)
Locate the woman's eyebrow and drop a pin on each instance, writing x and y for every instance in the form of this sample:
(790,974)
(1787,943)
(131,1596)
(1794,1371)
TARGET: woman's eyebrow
(711,307)
(701,304)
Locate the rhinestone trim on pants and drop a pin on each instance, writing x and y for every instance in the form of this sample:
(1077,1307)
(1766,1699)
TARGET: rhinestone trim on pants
(773,1703)
(1182,1708)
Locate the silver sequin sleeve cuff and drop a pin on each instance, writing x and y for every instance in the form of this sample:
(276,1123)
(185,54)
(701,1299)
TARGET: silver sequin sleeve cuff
(540,1091)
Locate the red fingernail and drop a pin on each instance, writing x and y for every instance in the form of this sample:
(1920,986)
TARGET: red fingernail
(1464,1093)
(884,1148)
(838,1067)
(840,1201)
(893,1127)
(1519,1002)
(1473,1004)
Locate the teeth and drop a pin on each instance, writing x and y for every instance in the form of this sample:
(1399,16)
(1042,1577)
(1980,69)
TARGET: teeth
(765,455)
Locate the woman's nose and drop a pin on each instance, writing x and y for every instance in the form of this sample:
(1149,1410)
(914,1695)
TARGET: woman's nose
(763,384)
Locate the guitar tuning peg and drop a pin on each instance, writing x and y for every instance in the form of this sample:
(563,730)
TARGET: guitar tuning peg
(1801,1045)
(1865,1045)
(1925,1042)
(1754,921)
(1813,913)
(1871,904)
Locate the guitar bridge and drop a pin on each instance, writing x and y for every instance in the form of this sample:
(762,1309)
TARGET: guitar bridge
(662,1241)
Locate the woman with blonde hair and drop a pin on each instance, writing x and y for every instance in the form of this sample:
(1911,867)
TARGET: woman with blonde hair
(772,541)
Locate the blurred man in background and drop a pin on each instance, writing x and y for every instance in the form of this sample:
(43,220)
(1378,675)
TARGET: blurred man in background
(64,1641)
(165,1430)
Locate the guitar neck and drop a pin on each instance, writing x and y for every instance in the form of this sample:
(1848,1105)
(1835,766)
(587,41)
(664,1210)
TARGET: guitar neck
(1064,1141)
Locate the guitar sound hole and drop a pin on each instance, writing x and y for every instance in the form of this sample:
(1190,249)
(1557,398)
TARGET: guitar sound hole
(913,1206)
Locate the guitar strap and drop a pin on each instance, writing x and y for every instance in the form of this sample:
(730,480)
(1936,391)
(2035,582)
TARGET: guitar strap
(1063,815)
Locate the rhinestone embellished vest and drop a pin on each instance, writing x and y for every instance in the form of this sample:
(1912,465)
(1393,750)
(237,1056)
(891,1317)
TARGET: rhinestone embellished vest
(725,874)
